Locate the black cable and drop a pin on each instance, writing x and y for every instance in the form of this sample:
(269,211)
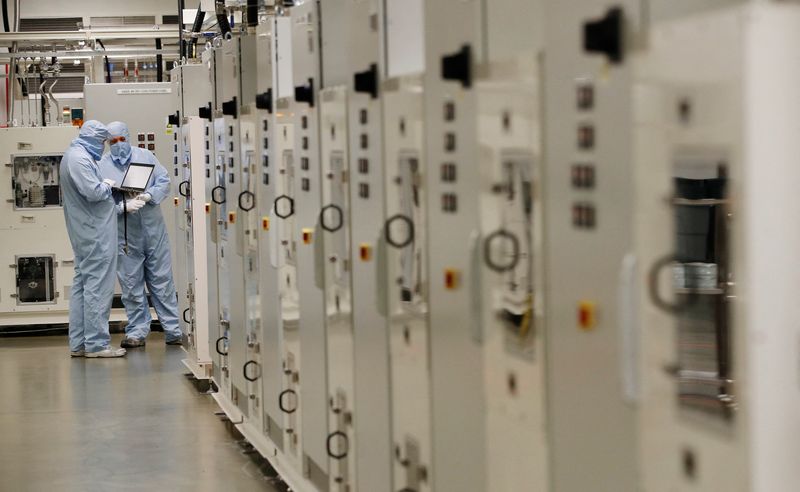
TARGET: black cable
(106,63)
(41,96)
(5,16)
(182,43)
(125,222)
(252,13)
(159,62)
(222,17)
(198,24)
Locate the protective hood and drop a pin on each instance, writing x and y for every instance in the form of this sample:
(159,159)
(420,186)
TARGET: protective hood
(92,137)
(120,151)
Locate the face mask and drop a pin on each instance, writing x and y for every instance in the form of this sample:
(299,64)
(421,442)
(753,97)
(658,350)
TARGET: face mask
(121,152)
(94,148)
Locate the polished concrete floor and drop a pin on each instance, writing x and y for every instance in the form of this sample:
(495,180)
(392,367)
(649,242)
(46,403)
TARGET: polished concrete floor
(128,424)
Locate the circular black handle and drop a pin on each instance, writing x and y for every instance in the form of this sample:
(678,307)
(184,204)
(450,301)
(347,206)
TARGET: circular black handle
(339,213)
(252,199)
(276,205)
(409,223)
(218,201)
(216,346)
(280,401)
(501,235)
(342,454)
(184,315)
(244,370)
(183,189)
(655,293)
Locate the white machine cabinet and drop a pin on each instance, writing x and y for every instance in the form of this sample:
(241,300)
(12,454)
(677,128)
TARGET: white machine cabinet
(715,147)
(36,252)
(304,106)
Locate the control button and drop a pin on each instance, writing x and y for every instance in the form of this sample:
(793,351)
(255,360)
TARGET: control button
(450,142)
(232,217)
(140,137)
(175,200)
(584,95)
(151,137)
(449,202)
(307,235)
(448,172)
(587,315)
(265,223)
(449,111)
(583,176)
(586,137)
(584,216)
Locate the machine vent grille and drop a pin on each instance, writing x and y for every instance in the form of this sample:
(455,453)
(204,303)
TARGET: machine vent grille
(118,21)
(50,24)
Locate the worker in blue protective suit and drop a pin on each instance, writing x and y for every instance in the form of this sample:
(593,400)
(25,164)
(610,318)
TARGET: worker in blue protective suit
(91,225)
(147,260)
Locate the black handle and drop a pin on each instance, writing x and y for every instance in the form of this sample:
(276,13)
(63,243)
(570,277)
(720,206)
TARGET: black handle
(252,199)
(280,401)
(305,93)
(367,81)
(339,213)
(264,100)
(278,212)
(184,315)
(205,112)
(244,370)
(230,108)
(655,293)
(458,66)
(605,35)
(409,223)
(183,189)
(218,201)
(216,346)
(342,454)
(487,251)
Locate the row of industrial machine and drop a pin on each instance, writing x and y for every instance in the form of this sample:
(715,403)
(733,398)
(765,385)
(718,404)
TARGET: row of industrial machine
(462,245)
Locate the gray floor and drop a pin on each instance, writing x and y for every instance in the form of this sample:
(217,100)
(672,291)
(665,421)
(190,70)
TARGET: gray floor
(106,425)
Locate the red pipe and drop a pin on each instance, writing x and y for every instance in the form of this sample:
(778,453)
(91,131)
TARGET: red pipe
(7,95)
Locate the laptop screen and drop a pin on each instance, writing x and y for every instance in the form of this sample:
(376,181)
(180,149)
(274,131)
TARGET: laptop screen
(137,176)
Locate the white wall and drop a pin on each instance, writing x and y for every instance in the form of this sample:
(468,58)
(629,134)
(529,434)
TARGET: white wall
(88,8)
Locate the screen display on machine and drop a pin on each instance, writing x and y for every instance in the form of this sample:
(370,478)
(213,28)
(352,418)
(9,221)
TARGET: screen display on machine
(137,176)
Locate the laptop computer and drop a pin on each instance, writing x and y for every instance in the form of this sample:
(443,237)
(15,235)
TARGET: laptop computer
(136,177)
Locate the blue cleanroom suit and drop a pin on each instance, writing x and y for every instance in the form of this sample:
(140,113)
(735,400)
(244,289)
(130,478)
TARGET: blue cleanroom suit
(148,260)
(91,225)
